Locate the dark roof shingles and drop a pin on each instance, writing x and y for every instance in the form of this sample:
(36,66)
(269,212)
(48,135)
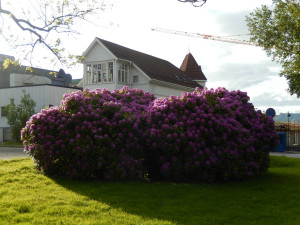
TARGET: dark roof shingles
(191,67)
(154,67)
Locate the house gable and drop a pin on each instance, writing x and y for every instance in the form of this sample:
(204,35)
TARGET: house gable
(134,69)
(97,52)
(155,68)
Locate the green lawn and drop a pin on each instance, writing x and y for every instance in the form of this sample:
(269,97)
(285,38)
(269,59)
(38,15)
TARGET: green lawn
(27,197)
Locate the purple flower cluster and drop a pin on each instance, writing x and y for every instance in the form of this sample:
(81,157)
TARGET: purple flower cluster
(128,134)
(90,136)
(207,135)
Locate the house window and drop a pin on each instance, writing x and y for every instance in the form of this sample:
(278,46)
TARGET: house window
(100,72)
(89,73)
(95,76)
(135,79)
(122,73)
(110,71)
(3,112)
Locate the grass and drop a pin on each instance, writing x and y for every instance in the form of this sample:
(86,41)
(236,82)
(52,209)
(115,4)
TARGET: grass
(27,197)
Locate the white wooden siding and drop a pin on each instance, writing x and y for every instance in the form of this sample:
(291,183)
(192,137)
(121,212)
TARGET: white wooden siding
(43,96)
(163,91)
(120,85)
(54,94)
(144,87)
(109,86)
(98,54)
(142,78)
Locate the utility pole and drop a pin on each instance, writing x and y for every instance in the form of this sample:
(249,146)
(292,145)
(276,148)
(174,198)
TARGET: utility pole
(288,131)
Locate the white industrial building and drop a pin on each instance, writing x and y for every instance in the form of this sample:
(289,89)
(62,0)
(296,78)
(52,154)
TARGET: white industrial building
(44,88)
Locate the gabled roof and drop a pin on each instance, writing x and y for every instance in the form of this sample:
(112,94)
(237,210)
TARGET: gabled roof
(155,68)
(191,67)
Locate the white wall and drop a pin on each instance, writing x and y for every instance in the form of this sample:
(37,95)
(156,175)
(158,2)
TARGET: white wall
(43,95)
(109,86)
(164,91)
(37,93)
(144,87)
(24,79)
(98,53)
(54,94)
(143,81)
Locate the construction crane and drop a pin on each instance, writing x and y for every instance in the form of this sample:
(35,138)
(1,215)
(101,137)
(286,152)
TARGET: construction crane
(205,36)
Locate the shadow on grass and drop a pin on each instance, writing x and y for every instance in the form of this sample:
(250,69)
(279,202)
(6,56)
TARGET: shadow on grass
(220,203)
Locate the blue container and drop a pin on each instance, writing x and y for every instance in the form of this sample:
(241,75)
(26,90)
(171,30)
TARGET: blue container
(282,140)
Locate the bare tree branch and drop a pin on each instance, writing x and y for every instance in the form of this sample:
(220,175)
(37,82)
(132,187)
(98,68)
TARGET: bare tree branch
(20,21)
(50,17)
(194,2)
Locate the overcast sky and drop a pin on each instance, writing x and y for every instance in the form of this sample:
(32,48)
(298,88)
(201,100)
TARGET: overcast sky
(232,66)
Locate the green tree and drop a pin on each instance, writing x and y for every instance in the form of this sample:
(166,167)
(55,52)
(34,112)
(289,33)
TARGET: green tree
(277,30)
(17,115)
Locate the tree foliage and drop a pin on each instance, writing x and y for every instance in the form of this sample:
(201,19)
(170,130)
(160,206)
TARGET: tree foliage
(17,115)
(196,3)
(42,23)
(277,30)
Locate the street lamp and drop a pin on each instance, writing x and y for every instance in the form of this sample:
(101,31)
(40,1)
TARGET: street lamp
(288,139)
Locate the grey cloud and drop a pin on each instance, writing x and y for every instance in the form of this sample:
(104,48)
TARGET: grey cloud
(233,23)
(270,100)
(241,76)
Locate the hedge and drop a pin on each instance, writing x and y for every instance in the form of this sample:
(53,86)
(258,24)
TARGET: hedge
(207,135)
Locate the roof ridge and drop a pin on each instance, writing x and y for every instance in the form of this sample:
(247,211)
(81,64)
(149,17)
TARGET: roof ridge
(156,68)
(121,46)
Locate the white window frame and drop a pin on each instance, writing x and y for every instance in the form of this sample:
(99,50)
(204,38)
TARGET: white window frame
(100,72)
(123,73)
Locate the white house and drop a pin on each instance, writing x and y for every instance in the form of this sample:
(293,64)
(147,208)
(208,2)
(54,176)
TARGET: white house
(112,66)
(44,89)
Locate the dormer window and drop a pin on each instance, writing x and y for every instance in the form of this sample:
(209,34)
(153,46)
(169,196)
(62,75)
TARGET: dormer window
(100,72)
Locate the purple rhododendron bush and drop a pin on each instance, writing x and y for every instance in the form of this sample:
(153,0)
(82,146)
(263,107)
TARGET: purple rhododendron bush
(93,135)
(210,135)
(207,135)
